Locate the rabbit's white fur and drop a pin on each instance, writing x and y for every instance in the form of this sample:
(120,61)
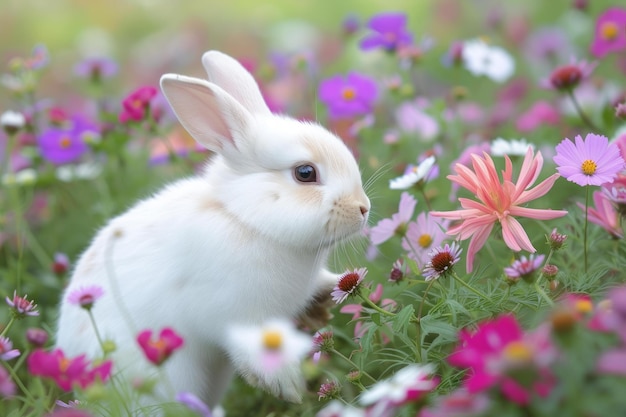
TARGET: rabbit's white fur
(242,243)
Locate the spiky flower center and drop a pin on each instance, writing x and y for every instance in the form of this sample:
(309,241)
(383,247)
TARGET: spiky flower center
(272,339)
(348,93)
(425,240)
(609,31)
(442,261)
(589,167)
(348,282)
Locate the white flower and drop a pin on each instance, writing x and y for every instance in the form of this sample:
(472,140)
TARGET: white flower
(85,171)
(492,61)
(401,387)
(12,120)
(336,408)
(27,176)
(413,175)
(270,346)
(501,147)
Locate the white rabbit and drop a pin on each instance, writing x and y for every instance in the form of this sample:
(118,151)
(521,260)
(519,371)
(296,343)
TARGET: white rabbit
(244,242)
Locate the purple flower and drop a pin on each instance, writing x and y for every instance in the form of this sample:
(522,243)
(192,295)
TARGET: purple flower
(21,306)
(96,68)
(389,32)
(412,118)
(353,96)
(524,267)
(6,349)
(442,259)
(348,284)
(61,145)
(386,228)
(590,162)
(85,297)
(610,32)
(193,403)
(7,386)
(422,236)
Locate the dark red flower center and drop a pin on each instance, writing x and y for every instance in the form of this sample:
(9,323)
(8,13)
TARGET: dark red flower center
(348,282)
(442,261)
(566,77)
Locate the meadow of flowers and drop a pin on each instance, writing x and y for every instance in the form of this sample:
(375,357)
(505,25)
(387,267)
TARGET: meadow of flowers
(489,281)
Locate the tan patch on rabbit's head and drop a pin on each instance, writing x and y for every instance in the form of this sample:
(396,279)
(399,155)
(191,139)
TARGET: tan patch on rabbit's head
(331,152)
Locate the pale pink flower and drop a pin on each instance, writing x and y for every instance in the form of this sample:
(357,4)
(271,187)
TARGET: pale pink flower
(604,214)
(422,236)
(386,228)
(499,201)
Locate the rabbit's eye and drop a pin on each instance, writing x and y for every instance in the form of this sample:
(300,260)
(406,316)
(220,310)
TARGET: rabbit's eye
(305,173)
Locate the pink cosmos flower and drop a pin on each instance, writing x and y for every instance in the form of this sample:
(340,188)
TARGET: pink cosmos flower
(6,349)
(85,297)
(389,32)
(590,162)
(422,235)
(466,159)
(499,202)
(538,114)
(386,228)
(67,373)
(524,267)
(499,349)
(136,104)
(159,350)
(610,32)
(604,214)
(412,118)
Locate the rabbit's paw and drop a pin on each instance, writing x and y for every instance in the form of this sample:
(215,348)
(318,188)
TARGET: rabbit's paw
(317,313)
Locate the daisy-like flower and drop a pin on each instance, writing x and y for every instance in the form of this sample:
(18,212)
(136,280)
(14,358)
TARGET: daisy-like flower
(336,408)
(6,349)
(136,104)
(160,349)
(354,95)
(442,259)
(494,62)
(85,297)
(413,174)
(524,268)
(322,343)
(389,32)
(499,202)
(590,162)
(348,284)
(407,385)
(270,346)
(422,235)
(568,77)
(21,307)
(610,32)
(513,147)
(12,122)
(397,224)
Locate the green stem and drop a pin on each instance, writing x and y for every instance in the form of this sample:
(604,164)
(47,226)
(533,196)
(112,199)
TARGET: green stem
(19,383)
(95,328)
(469,287)
(8,326)
(371,304)
(543,294)
(354,365)
(426,200)
(581,113)
(586,222)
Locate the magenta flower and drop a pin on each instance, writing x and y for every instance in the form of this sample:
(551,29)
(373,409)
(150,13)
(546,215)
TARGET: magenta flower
(6,349)
(442,259)
(499,202)
(499,349)
(85,297)
(159,350)
(458,403)
(348,284)
(397,224)
(21,306)
(136,105)
(538,114)
(590,162)
(67,373)
(67,143)
(524,267)
(610,32)
(389,32)
(7,386)
(353,96)
(568,77)
(604,214)
(60,263)
(422,235)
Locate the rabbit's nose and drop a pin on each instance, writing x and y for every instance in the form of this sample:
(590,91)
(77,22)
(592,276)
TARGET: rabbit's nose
(364,210)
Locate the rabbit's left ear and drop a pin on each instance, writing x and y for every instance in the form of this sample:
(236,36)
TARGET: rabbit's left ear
(211,115)
(229,74)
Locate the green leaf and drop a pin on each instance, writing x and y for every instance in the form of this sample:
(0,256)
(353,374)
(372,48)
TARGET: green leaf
(402,319)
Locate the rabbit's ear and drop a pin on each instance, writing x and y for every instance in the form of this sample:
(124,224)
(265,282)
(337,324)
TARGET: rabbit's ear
(229,74)
(206,111)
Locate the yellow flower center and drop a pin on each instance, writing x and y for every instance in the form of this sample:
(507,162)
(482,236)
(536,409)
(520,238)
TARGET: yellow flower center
(348,93)
(425,240)
(518,351)
(272,339)
(609,31)
(589,167)
(584,306)
(64,364)
(65,142)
